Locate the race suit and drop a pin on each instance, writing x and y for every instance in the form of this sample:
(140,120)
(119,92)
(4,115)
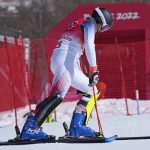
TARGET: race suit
(65,65)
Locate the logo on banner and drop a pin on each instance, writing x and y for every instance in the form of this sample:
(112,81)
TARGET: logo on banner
(126,15)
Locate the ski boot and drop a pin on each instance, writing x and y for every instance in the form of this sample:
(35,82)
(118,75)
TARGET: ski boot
(31,130)
(78,127)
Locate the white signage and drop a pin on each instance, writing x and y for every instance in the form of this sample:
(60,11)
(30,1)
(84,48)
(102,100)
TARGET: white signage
(126,15)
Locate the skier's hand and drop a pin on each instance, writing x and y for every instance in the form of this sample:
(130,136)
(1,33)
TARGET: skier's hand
(94,78)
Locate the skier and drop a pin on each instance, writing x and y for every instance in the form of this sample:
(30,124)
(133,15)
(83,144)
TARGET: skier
(78,36)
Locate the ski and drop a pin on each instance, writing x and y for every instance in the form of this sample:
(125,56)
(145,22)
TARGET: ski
(65,139)
(16,141)
(69,139)
(134,138)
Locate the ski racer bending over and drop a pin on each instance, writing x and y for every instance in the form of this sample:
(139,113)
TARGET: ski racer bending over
(78,36)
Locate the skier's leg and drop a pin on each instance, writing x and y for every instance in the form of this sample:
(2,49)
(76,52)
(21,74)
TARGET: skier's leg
(83,108)
(81,116)
(59,89)
(61,84)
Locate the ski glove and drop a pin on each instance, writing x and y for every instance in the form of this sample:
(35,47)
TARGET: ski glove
(94,78)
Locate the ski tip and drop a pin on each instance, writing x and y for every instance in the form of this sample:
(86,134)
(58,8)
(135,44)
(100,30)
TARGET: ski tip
(111,139)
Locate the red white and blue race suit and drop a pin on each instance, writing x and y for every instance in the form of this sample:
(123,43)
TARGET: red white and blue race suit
(78,36)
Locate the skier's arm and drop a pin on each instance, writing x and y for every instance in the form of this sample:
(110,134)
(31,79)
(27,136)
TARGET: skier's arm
(89,45)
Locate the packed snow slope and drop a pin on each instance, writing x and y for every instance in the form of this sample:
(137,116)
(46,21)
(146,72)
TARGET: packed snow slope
(114,120)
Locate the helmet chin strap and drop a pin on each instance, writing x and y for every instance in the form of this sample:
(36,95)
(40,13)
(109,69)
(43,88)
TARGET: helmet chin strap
(99,27)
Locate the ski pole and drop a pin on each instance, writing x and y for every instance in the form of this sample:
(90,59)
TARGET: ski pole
(95,101)
(97,114)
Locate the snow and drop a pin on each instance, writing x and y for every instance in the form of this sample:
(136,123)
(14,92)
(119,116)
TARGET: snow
(114,120)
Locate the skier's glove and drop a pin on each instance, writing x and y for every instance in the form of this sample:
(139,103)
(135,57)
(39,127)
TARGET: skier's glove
(94,78)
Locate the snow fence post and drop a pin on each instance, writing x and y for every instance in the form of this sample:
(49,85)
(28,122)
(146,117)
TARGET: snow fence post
(137,101)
